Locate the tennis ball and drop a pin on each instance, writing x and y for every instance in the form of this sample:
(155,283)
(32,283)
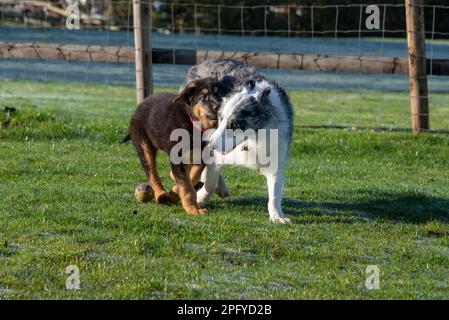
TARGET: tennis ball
(144,193)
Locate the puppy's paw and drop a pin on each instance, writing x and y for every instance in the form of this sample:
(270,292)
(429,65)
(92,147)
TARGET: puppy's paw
(279,220)
(174,196)
(167,198)
(197,212)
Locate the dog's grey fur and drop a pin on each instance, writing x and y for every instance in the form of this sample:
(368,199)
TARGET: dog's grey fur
(221,68)
(241,75)
(263,104)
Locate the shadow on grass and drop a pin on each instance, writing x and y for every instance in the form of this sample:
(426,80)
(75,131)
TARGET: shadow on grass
(371,204)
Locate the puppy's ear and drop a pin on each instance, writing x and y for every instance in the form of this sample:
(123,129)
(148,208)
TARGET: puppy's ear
(265,93)
(186,94)
(227,84)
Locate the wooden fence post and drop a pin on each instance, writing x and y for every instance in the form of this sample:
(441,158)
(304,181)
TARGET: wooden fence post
(142,43)
(416,38)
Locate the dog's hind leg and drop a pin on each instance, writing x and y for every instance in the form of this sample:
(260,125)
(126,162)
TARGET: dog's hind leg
(147,155)
(194,174)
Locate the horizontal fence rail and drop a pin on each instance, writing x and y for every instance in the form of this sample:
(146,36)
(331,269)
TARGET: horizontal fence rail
(270,60)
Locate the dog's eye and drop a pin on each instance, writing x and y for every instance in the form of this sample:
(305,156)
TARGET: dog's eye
(236,125)
(204,98)
(246,113)
(251,84)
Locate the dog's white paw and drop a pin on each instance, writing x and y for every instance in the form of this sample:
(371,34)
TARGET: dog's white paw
(202,202)
(202,198)
(280,220)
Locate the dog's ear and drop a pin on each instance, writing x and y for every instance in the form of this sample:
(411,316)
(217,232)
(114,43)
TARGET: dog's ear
(265,93)
(228,84)
(186,94)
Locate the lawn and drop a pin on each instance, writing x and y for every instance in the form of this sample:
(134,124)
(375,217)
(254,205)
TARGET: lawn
(357,197)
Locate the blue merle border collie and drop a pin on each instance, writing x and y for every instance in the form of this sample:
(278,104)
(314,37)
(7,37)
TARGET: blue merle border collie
(255,104)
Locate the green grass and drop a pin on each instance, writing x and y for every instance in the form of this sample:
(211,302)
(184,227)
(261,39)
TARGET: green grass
(356,197)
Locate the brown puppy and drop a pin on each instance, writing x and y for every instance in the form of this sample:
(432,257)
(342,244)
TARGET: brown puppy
(154,121)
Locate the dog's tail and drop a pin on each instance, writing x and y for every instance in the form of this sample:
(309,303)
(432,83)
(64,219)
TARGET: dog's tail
(126,139)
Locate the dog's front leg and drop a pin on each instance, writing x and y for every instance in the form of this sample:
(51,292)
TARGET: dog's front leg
(210,178)
(275,182)
(187,192)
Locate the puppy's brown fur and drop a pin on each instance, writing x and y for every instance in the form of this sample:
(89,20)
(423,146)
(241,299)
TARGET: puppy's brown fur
(152,124)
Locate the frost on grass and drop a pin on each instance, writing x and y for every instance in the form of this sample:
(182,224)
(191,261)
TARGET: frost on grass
(245,285)
(10,249)
(5,293)
(227,255)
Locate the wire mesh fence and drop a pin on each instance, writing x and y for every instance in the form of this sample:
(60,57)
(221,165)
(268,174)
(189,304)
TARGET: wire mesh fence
(331,97)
